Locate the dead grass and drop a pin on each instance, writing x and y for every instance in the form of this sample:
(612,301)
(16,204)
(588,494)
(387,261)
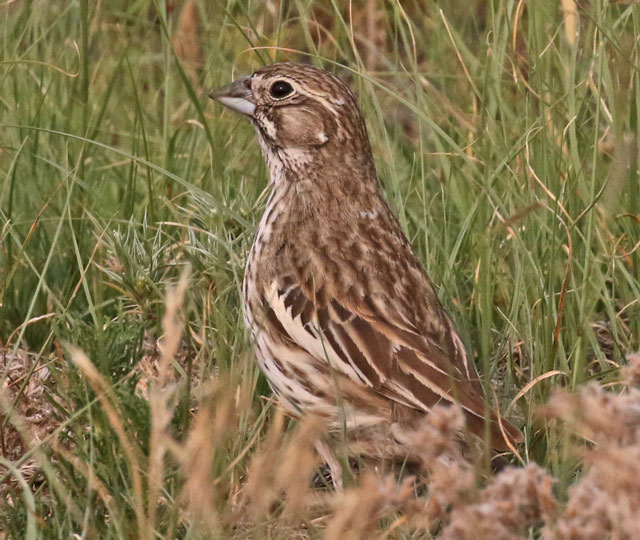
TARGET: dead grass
(272,490)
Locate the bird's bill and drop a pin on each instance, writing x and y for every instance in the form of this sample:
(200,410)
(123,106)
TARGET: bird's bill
(237,96)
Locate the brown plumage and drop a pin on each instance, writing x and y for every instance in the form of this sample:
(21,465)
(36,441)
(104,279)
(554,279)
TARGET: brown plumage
(344,319)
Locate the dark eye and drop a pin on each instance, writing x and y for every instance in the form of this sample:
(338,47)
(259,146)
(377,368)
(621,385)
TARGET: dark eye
(280,89)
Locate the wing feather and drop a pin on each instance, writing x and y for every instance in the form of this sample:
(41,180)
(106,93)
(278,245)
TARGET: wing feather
(384,353)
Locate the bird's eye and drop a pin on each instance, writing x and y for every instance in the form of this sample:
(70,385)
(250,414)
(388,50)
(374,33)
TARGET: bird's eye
(280,89)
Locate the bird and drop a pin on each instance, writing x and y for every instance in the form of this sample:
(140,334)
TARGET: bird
(343,318)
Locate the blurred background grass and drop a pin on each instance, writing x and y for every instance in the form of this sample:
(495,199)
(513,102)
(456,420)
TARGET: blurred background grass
(506,139)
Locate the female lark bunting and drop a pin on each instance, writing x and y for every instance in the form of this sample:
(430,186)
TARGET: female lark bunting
(343,317)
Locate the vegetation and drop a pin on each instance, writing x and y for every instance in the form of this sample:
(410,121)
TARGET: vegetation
(506,136)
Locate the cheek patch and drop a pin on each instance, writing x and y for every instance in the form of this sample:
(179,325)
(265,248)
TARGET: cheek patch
(302,127)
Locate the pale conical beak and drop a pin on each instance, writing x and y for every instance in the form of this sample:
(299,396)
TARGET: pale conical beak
(236,96)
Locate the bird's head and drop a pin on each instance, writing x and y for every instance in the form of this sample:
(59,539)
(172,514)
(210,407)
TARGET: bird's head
(300,113)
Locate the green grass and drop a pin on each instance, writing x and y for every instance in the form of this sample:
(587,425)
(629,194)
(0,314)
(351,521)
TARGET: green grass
(513,170)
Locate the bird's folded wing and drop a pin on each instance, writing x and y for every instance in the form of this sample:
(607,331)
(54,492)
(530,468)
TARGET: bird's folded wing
(378,351)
